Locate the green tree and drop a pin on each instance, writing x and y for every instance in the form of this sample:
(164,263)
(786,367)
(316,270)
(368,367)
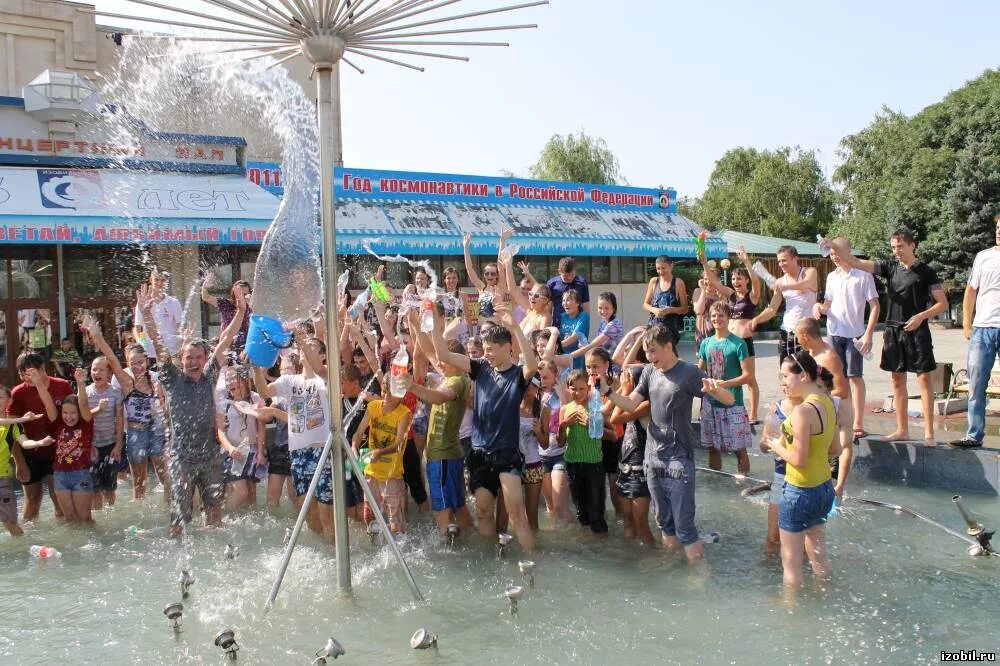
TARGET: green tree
(577,158)
(904,173)
(776,193)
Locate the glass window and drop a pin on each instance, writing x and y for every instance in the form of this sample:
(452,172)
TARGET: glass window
(124,270)
(83,272)
(247,269)
(636,269)
(4,292)
(600,270)
(33,275)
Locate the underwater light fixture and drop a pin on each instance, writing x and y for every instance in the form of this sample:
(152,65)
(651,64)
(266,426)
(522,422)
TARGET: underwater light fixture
(527,569)
(331,650)
(187,580)
(174,612)
(423,639)
(226,639)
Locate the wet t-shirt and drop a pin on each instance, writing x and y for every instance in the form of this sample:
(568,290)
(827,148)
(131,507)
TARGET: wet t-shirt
(445,419)
(723,360)
(73,446)
(308,410)
(382,429)
(670,394)
(497,406)
(105,420)
(227,310)
(192,412)
(909,288)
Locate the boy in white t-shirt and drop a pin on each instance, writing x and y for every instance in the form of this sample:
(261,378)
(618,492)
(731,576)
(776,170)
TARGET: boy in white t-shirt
(982,296)
(305,395)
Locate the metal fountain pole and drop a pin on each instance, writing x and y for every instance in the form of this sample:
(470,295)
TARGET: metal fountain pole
(325,51)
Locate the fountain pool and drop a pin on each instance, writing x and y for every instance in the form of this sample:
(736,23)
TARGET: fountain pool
(903,591)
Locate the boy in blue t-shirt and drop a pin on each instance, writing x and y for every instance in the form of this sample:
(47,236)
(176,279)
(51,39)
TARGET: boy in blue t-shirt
(724,357)
(574,326)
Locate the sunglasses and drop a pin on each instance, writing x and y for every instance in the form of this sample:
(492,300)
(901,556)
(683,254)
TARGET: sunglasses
(534,296)
(491,274)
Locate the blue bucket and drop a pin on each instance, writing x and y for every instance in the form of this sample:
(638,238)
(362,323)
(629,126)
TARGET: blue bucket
(265,338)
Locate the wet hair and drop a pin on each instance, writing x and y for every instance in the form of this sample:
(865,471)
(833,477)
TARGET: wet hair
(573,294)
(201,344)
(601,353)
(789,250)
(451,270)
(418,270)
(904,236)
(475,342)
(350,373)
(661,335)
(612,299)
(493,266)
(567,265)
(497,335)
(243,283)
(545,334)
(102,358)
(577,376)
(242,372)
(722,307)
(663,259)
(358,353)
(809,326)
(71,400)
(30,360)
(456,347)
(134,348)
(804,362)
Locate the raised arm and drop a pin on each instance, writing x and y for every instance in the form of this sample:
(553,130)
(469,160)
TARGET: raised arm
(94,329)
(842,247)
(507,319)
(769,311)
(755,283)
(310,352)
(809,281)
(207,284)
(431,396)
(525,267)
(144,300)
(80,375)
(713,280)
(626,344)
(460,361)
(229,333)
(388,334)
(264,389)
(512,286)
(470,268)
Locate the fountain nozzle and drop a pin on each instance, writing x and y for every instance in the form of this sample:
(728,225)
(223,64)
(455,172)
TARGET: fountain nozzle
(187,580)
(503,540)
(174,612)
(974,529)
(513,594)
(331,650)
(452,535)
(232,552)
(422,639)
(226,639)
(527,569)
(373,531)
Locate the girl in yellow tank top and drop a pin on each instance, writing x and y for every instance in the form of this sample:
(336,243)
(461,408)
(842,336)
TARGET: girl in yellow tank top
(808,439)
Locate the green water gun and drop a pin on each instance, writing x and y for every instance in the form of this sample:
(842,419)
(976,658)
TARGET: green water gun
(379,291)
(699,244)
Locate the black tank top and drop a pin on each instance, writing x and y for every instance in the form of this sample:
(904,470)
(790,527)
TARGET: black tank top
(741,307)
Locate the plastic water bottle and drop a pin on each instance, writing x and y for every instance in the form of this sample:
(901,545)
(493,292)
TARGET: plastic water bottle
(400,363)
(427,316)
(824,245)
(595,422)
(358,306)
(509,252)
(45,552)
(342,281)
(764,274)
(858,344)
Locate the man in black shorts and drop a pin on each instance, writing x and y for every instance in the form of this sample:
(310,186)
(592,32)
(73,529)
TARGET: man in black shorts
(495,460)
(915,296)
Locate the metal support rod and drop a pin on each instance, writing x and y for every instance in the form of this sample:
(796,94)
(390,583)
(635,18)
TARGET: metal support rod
(328,116)
(390,539)
(975,527)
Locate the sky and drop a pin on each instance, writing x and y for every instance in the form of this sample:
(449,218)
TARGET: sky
(669,85)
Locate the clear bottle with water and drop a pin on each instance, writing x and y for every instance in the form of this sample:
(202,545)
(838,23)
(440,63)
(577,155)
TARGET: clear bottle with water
(595,417)
(342,281)
(358,306)
(764,274)
(824,245)
(45,552)
(427,316)
(400,367)
(509,252)
(859,344)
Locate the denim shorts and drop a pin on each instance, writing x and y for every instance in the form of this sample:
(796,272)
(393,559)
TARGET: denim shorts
(141,444)
(803,508)
(79,481)
(554,463)
(304,462)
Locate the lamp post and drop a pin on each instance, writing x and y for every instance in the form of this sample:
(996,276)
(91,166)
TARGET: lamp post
(324,31)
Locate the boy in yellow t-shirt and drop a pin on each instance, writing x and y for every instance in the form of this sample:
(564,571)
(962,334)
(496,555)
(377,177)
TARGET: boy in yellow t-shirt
(387,422)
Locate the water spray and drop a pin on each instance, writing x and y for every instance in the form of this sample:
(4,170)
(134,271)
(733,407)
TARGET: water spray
(232,552)
(453,531)
(373,531)
(975,530)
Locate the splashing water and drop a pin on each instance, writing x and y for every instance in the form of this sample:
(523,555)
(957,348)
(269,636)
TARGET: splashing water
(179,87)
(424,264)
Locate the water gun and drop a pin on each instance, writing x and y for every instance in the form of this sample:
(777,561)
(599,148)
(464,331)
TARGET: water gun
(379,291)
(699,245)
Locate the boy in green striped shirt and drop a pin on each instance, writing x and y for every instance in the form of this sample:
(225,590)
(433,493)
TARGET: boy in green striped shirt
(583,454)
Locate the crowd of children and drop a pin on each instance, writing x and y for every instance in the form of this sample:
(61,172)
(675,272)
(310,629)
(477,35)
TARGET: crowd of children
(521,411)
